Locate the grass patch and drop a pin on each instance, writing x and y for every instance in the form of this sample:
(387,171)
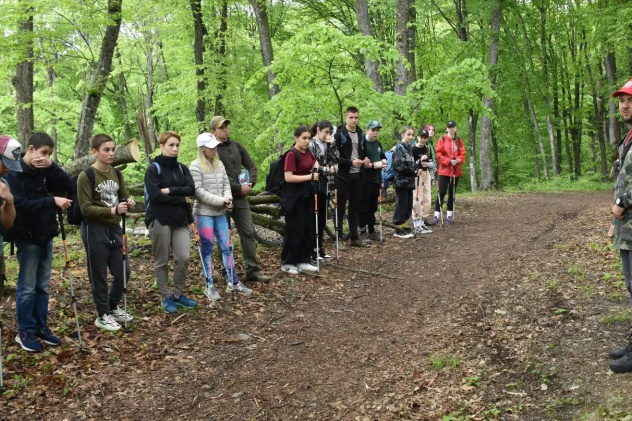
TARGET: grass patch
(442,361)
(618,317)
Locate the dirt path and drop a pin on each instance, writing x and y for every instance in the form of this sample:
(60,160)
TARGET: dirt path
(499,317)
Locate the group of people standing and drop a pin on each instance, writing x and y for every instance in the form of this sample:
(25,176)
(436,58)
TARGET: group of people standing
(351,165)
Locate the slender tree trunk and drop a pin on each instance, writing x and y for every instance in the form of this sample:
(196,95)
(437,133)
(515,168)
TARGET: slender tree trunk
(487,172)
(495,150)
(261,13)
(472,124)
(545,76)
(556,114)
(198,54)
(371,68)
(149,99)
(23,79)
(221,61)
(614,131)
(404,70)
(122,100)
(536,163)
(539,135)
(98,80)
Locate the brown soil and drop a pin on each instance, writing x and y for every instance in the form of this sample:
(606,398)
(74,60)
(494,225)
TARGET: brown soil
(508,314)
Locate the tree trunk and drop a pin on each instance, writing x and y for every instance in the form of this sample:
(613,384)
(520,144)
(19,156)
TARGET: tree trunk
(143,130)
(461,18)
(404,42)
(149,97)
(198,54)
(614,131)
(261,13)
(487,172)
(98,81)
(23,79)
(496,161)
(124,154)
(472,124)
(50,79)
(122,100)
(539,135)
(556,115)
(545,77)
(371,68)
(220,109)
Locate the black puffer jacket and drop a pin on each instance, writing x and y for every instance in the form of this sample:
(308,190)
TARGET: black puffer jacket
(170,209)
(405,167)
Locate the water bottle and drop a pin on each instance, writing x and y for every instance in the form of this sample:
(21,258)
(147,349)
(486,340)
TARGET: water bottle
(244,177)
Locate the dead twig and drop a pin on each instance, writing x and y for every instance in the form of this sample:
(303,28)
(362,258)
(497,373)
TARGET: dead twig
(363,271)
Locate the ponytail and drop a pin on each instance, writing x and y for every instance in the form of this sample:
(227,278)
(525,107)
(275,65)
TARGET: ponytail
(320,125)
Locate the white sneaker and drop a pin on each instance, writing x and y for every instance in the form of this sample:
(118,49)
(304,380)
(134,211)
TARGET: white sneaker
(239,287)
(212,293)
(291,269)
(306,267)
(121,316)
(107,322)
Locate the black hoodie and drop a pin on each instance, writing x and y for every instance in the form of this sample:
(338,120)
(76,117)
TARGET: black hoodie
(343,142)
(170,209)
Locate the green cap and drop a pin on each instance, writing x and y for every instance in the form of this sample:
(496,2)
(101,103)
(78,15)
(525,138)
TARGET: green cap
(373,124)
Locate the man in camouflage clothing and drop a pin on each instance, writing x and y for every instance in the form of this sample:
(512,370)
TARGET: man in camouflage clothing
(622,213)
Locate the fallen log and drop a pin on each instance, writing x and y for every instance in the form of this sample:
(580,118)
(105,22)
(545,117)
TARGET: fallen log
(269,223)
(124,154)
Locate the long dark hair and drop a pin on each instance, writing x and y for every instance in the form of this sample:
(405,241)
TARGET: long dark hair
(319,125)
(300,130)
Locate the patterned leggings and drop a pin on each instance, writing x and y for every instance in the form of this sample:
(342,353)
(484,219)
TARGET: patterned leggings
(208,228)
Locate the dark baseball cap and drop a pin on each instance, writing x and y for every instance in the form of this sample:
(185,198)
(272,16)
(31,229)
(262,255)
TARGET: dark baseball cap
(423,133)
(451,123)
(373,124)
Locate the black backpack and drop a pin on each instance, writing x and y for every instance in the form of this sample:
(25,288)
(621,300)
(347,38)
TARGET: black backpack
(276,176)
(74,215)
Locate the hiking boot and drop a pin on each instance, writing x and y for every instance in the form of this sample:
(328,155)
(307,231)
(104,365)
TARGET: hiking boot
(623,364)
(239,288)
(291,269)
(617,353)
(107,322)
(28,341)
(121,316)
(307,268)
(375,236)
(212,293)
(428,222)
(450,220)
(48,337)
(400,233)
(360,242)
(258,277)
(183,301)
(168,305)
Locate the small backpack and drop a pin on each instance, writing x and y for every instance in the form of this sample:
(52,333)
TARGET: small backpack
(388,173)
(276,176)
(145,186)
(74,215)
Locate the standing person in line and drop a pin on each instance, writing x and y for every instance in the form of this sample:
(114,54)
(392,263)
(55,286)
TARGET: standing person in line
(622,217)
(297,202)
(323,148)
(169,185)
(433,173)
(405,173)
(10,151)
(102,206)
(423,158)
(213,198)
(451,156)
(234,156)
(351,145)
(372,173)
(34,228)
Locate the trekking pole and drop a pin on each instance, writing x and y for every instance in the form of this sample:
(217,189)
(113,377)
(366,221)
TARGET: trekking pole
(379,201)
(336,222)
(124,199)
(230,253)
(440,204)
(316,216)
(2,388)
(72,291)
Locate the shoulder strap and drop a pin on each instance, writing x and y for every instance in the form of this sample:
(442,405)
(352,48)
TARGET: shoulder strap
(157,166)
(296,156)
(119,175)
(90,174)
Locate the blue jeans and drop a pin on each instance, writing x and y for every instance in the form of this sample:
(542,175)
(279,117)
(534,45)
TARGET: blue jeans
(209,228)
(31,298)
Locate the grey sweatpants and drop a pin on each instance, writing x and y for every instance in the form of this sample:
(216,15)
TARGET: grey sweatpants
(104,249)
(163,239)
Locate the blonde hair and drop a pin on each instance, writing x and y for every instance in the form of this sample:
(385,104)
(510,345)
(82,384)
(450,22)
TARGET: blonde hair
(207,164)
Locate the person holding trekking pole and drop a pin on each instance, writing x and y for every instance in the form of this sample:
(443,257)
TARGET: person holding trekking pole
(213,198)
(301,169)
(34,228)
(168,186)
(100,197)
(405,172)
(324,149)
(423,157)
(372,181)
(451,157)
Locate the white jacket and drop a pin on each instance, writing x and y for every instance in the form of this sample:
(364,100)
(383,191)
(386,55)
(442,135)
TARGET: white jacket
(210,190)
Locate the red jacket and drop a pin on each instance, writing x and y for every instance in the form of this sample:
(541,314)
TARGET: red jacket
(448,149)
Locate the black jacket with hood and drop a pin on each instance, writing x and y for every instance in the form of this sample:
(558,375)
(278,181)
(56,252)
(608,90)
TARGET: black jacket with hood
(343,143)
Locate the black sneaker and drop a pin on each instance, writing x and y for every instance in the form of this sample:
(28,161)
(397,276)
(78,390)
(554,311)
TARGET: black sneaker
(258,277)
(360,242)
(617,353)
(28,341)
(47,337)
(428,222)
(623,364)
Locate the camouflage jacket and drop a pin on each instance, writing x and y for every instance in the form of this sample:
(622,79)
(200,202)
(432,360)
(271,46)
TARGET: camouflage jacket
(623,189)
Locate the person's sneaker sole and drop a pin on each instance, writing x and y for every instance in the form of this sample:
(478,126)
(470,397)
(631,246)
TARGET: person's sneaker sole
(50,343)
(18,340)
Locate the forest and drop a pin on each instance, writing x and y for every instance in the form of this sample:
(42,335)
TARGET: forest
(528,82)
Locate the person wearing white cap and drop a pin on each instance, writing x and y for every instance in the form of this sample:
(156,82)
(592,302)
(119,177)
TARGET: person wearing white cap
(10,151)
(622,217)
(168,186)
(213,198)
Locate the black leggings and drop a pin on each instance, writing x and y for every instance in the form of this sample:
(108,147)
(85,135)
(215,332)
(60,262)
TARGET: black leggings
(445,184)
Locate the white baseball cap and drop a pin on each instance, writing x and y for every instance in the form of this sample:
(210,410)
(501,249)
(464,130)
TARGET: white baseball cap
(208,140)
(10,151)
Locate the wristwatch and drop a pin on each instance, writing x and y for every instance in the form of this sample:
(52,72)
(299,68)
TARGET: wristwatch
(619,202)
